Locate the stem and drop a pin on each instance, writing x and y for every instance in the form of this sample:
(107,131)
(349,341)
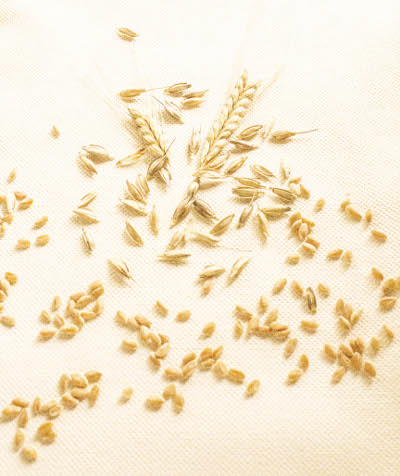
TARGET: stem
(305,132)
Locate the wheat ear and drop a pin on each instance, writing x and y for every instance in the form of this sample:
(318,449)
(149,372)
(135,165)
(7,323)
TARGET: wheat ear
(155,138)
(228,121)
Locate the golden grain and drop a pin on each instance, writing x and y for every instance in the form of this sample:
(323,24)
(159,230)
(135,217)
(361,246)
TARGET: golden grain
(7,321)
(309,325)
(279,286)
(387,303)
(93,394)
(236,375)
(377,274)
(290,347)
(19,439)
(338,374)
(369,369)
(155,402)
(253,387)
(183,316)
(294,375)
(29,454)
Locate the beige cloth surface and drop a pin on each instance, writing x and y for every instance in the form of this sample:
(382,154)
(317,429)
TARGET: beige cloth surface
(60,63)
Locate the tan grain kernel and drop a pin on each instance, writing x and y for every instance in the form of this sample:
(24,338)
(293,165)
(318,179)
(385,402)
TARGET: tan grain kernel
(188,358)
(388,331)
(329,352)
(29,454)
(344,323)
(126,394)
(377,274)
(238,328)
(183,316)
(347,350)
(42,240)
(290,347)
(263,303)
(20,402)
(178,401)
(347,258)
(169,391)
(161,308)
(319,205)
(303,362)
(375,344)
(23,418)
(309,325)
(155,402)
(388,286)
(10,412)
(54,411)
(356,361)
(93,394)
(208,329)
(68,400)
(173,373)
(235,375)
(343,360)
(387,303)
(293,258)
(129,345)
(369,369)
(23,244)
(323,290)
(79,393)
(7,321)
(253,388)
(294,375)
(36,404)
(78,380)
(379,235)
(279,286)
(93,376)
(353,213)
(335,254)
(297,289)
(12,278)
(338,374)
(19,439)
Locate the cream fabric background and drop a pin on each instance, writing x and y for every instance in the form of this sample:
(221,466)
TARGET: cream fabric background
(60,62)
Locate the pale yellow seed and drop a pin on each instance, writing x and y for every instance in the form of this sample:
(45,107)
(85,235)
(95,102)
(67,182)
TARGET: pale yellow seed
(162,351)
(93,394)
(126,394)
(297,289)
(236,375)
(29,454)
(353,213)
(79,393)
(368,216)
(344,323)
(40,222)
(19,439)
(189,357)
(12,175)
(47,333)
(335,254)
(263,303)
(36,404)
(293,258)
(42,240)
(388,286)
(356,361)
(23,244)
(183,316)
(69,401)
(220,369)
(122,318)
(11,411)
(323,290)
(290,347)
(173,373)
(20,402)
(279,286)
(54,411)
(377,274)
(154,359)
(129,345)
(23,418)
(238,328)
(369,369)
(388,331)
(179,401)
(169,391)
(155,402)
(68,331)
(319,205)
(294,375)
(208,329)
(338,374)
(78,380)
(310,325)
(161,308)
(12,278)
(387,303)
(7,321)
(347,258)
(253,387)
(378,235)
(375,344)
(93,376)
(329,352)
(303,362)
